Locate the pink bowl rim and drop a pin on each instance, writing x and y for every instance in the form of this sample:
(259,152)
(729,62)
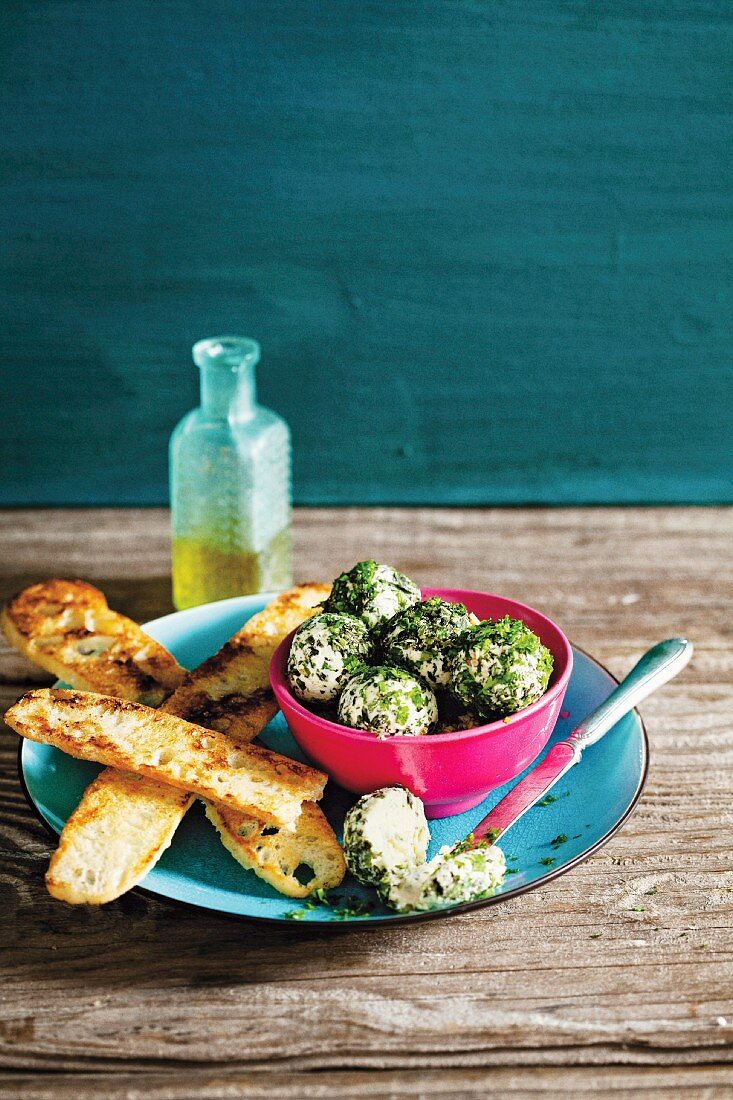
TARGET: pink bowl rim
(280,685)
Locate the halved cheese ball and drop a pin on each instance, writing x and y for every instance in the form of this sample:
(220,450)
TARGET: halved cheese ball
(385,837)
(456,875)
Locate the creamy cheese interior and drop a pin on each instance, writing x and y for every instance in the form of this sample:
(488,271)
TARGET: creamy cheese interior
(385,836)
(449,879)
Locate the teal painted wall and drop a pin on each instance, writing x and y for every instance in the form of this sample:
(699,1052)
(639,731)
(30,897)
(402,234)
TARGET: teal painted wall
(485,246)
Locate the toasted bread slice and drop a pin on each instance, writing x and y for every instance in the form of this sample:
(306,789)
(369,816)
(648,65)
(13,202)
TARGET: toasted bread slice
(231,691)
(67,628)
(90,867)
(135,738)
(276,854)
(119,830)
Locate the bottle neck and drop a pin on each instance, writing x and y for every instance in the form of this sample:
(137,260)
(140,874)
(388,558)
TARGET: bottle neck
(228,394)
(228,386)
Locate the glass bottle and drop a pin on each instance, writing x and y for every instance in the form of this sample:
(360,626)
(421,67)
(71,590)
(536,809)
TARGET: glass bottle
(230,474)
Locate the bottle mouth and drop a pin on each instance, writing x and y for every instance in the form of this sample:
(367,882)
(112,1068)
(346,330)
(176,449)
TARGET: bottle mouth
(231,352)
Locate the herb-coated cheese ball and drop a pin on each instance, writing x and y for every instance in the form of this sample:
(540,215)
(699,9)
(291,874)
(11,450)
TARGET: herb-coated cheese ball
(455,875)
(419,638)
(499,666)
(373,592)
(385,701)
(326,651)
(385,836)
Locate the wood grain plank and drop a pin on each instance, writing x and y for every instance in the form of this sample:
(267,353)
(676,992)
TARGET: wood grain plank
(710,1082)
(142,987)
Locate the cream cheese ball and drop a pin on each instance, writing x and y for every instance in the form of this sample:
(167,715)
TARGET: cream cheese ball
(385,700)
(326,651)
(385,837)
(373,592)
(420,638)
(499,667)
(456,875)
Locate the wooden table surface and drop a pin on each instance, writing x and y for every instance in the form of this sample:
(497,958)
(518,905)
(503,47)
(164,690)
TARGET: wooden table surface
(143,999)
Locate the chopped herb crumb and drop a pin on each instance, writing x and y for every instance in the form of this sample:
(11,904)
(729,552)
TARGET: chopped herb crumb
(548,800)
(596,935)
(342,908)
(653,890)
(547,861)
(561,838)
(638,908)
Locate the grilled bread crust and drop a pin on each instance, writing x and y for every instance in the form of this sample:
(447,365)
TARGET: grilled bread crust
(131,737)
(276,854)
(68,629)
(231,691)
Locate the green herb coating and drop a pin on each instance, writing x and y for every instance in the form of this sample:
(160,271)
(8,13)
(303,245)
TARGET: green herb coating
(420,638)
(499,667)
(386,700)
(372,592)
(326,651)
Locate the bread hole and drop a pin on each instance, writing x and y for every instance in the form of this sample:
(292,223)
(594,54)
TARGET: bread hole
(70,619)
(161,757)
(97,621)
(94,646)
(304,874)
(239,760)
(269,830)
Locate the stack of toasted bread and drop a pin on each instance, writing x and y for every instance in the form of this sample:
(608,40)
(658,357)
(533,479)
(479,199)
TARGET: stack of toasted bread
(167,736)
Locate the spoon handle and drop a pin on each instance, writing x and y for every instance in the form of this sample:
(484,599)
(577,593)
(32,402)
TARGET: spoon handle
(658,665)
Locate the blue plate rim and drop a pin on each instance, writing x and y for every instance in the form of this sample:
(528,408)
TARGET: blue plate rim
(406,918)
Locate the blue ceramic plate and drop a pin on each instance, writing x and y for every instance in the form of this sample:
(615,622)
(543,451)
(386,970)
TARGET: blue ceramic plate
(587,807)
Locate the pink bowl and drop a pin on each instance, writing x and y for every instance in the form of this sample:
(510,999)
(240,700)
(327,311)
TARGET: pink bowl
(450,772)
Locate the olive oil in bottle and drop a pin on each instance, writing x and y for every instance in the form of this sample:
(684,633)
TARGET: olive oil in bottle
(230,475)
